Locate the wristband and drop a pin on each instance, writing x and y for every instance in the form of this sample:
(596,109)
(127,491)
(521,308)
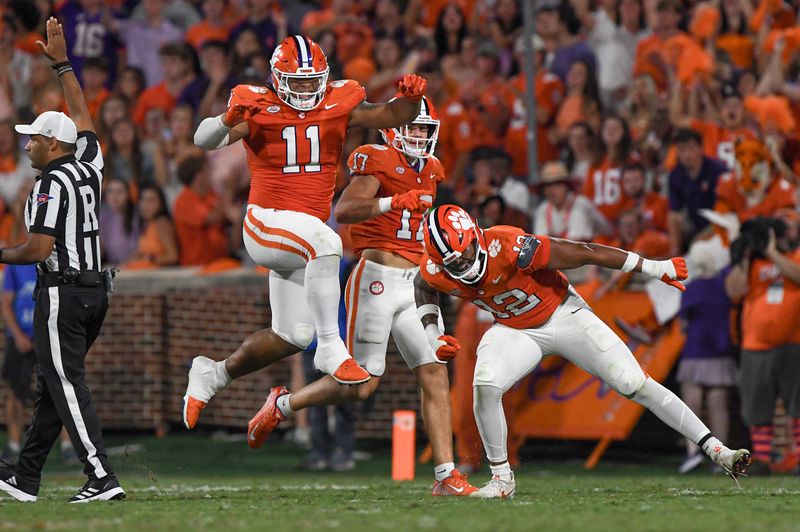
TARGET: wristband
(433,333)
(426,310)
(56,66)
(385,204)
(63,70)
(631,262)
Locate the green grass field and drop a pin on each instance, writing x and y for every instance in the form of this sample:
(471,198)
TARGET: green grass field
(193,481)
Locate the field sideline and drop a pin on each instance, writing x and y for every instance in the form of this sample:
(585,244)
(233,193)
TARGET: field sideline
(185,481)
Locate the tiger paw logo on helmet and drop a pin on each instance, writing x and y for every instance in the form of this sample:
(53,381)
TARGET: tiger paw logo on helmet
(494,248)
(460,220)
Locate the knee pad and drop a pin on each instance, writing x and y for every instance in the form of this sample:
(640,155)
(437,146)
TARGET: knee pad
(628,382)
(302,335)
(327,243)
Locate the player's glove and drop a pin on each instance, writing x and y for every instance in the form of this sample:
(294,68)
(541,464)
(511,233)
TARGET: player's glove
(238,113)
(445,348)
(412,87)
(670,271)
(416,200)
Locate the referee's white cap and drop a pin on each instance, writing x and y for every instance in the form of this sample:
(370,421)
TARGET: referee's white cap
(51,124)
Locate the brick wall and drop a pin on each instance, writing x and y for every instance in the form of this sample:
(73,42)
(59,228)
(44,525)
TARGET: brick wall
(159,320)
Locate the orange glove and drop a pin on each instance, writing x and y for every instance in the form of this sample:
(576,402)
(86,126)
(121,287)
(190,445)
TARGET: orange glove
(412,87)
(445,348)
(416,200)
(238,113)
(670,271)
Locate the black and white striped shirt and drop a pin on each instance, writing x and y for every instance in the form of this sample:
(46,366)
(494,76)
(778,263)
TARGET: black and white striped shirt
(65,203)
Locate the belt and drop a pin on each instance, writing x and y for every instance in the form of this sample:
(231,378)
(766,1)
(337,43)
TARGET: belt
(87,278)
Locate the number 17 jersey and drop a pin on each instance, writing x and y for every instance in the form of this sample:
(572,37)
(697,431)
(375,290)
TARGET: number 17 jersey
(398,232)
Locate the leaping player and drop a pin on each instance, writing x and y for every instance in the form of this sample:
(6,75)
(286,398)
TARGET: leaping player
(293,133)
(516,277)
(391,186)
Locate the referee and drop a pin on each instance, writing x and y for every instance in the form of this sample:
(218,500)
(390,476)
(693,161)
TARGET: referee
(71,300)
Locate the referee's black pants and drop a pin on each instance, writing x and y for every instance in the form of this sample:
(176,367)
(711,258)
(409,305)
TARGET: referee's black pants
(66,321)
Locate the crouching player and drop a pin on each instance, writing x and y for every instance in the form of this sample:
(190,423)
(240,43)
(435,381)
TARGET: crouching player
(516,277)
(390,188)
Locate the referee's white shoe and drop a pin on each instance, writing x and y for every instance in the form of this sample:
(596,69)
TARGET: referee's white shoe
(99,489)
(16,486)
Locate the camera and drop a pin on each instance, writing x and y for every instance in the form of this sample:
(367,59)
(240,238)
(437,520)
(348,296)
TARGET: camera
(753,238)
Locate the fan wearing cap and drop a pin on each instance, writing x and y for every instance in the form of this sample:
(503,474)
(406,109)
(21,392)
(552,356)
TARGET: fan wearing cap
(516,277)
(563,213)
(71,300)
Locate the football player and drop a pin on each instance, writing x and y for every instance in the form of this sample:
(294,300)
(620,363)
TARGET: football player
(516,277)
(293,133)
(391,186)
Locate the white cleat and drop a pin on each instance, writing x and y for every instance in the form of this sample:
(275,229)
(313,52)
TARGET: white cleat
(733,462)
(201,388)
(498,488)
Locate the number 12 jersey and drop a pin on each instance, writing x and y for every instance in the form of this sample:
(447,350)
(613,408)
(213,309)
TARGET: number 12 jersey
(398,232)
(517,288)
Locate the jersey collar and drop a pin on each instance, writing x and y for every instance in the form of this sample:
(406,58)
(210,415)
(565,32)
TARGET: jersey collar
(55,163)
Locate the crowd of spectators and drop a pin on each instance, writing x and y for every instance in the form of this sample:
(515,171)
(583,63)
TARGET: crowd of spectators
(639,104)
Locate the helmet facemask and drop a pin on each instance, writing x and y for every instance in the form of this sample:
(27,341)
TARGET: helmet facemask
(403,141)
(468,270)
(302,101)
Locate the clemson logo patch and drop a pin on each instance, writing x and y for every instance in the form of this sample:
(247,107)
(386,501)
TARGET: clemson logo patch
(376,288)
(460,220)
(338,83)
(257,90)
(273,109)
(494,248)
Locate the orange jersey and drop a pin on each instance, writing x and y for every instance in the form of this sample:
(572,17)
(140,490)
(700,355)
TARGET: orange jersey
(770,307)
(603,187)
(293,155)
(398,232)
(653,210)
(718,142)
(780,193)
(517,298)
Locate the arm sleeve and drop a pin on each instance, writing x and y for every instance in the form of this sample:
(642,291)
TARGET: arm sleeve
(87,149)
(211,134)
(45,206)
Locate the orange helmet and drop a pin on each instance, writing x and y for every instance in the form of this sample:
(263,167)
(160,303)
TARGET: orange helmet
(402,140)
(455,243)
(298,58)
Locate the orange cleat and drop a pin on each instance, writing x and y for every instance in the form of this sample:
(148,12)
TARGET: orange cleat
(263,423)
(349,372)
(191,411)
(456,485)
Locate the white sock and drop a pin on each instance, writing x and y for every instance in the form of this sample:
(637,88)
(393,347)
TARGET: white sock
(323,293)
(711,444)
(503,470)
(284,406)
(221,374)
(491,420)
(13,446)
(671,410)
(442,471)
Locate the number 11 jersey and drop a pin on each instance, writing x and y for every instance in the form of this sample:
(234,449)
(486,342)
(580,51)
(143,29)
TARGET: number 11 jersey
(517,288)
(293,155)
(398,232)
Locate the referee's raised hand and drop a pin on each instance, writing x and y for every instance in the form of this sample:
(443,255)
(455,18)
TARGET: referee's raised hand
(56,47)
